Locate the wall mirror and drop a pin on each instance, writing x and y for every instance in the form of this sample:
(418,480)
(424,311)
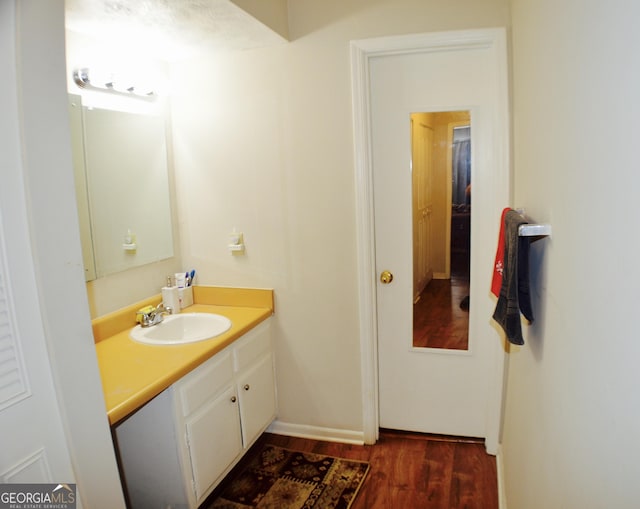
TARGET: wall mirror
(122,187)
(441,205)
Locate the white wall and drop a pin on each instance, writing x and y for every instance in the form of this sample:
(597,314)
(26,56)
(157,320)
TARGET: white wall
(264,143)
(573,407)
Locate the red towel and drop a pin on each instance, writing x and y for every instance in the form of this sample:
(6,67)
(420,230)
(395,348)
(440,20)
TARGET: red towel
(498,265)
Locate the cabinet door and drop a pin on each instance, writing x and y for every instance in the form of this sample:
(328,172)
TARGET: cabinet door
(256,388)
(214,441)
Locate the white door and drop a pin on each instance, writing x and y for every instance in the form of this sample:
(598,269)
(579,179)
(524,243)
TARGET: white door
(34,446)
(421,389)
(31,451)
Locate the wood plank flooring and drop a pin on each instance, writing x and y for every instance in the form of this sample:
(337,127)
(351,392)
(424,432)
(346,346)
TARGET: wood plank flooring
(412,470)
(438,319)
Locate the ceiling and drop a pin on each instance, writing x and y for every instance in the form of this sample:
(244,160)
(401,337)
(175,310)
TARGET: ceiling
(169,29)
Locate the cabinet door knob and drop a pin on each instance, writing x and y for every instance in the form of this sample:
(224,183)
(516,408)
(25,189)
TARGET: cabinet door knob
(233,399)
(246,387)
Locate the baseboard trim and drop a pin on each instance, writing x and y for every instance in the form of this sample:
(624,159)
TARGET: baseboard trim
(317,433)
(502,495)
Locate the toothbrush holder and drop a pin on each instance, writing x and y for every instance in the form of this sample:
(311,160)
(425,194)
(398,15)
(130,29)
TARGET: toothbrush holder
(185,296)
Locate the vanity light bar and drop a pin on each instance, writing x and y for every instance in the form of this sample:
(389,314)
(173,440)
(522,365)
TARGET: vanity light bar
(81,78)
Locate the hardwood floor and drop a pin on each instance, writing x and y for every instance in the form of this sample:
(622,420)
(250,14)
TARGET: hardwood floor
(438,319)
(413,471)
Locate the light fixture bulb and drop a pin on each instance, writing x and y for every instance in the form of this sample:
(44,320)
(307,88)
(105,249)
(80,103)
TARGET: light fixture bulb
(82,78)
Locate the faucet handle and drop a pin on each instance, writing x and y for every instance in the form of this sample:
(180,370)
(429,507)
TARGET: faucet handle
(145,319)
(143,315)
(161,308)
(150,315)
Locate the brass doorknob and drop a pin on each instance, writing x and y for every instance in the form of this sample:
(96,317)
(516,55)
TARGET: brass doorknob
(386,277)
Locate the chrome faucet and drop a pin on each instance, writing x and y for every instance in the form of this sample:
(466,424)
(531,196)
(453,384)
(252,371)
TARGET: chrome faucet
(155,316)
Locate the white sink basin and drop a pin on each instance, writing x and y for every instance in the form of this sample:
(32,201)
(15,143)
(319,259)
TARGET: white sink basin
(182,328)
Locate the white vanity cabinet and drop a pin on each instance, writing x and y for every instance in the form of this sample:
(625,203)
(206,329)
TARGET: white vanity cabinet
(179,446)
(208,423)
(255,385)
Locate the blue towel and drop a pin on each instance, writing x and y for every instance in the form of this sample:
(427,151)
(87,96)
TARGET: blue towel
(515,297)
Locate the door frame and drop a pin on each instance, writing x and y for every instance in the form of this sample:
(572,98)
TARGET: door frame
(362,52)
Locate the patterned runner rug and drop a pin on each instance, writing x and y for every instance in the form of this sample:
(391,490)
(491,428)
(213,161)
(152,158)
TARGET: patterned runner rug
(278,478)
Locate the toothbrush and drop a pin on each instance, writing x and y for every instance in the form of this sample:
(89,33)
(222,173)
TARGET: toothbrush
(192,275)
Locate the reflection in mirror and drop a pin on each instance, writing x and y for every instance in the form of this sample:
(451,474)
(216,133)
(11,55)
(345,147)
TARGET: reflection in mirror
(441,183)
(122,186)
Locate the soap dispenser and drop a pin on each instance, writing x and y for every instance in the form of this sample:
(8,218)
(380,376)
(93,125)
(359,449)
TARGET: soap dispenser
(170,298)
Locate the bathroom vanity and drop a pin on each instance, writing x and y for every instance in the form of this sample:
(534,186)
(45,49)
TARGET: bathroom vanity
(179,446)
(183,415)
